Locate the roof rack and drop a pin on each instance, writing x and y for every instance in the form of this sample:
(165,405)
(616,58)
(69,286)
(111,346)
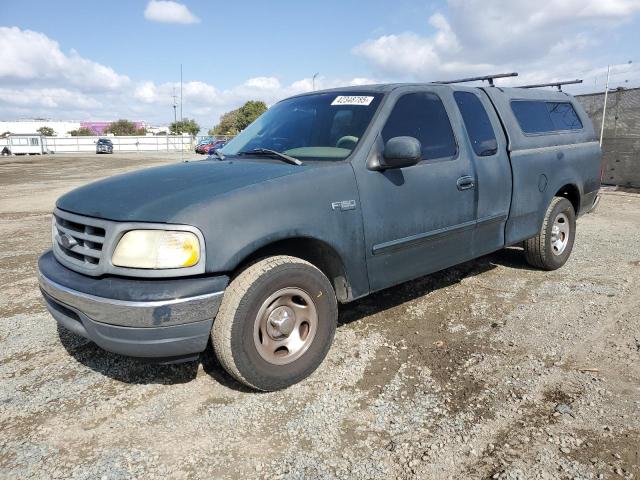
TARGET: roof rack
(552,84)
(488,78)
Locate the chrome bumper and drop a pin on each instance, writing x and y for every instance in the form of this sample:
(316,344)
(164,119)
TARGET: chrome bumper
(138,314)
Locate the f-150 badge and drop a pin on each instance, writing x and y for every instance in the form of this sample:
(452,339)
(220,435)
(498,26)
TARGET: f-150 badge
(344,205)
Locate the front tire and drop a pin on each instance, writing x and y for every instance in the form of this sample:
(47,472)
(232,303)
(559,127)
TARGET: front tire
(551,248)
(276,323)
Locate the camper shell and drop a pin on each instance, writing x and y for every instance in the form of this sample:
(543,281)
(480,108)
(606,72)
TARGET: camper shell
(327,197)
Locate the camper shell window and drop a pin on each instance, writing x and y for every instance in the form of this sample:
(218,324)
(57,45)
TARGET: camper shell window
(540,117)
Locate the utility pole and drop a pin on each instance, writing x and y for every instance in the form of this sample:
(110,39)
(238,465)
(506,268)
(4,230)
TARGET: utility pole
(604,107)
(313,81)
(181,117)
(175,106)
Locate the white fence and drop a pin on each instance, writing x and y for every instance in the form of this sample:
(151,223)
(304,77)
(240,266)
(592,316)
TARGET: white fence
(156,143)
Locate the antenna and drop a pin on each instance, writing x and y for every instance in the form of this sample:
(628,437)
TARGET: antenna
(488,78)
(552,84)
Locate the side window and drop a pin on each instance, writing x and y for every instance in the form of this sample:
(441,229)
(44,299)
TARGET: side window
(478,125)
(423,116)
(536,116)
(34,141)
(533,117)
(563,116)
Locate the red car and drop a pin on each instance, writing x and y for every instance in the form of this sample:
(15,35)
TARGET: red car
(204,148)
(216,145)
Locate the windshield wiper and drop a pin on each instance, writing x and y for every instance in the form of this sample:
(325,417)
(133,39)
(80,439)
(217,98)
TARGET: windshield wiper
(218,154)
(272,153)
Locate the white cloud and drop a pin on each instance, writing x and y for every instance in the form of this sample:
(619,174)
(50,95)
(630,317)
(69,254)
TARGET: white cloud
(267,83)
(146,92)
(482,36)
(48,98)
(28,57)
(167,11)
(207,102)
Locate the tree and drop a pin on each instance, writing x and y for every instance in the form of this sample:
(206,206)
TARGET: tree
(124,128)
(46,131)
(249,112)
(228,124)
(82,132)
(184,126)
(233,122)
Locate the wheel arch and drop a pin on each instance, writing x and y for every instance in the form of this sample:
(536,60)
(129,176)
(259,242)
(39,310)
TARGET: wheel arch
(315,251)
(572,193)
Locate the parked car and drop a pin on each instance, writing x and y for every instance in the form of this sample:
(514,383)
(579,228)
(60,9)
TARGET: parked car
(200,145)
(104,145)
(327,197)
(203,148)
(217,145)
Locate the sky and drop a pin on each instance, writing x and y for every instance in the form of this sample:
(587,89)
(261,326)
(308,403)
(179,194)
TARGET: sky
(83,60)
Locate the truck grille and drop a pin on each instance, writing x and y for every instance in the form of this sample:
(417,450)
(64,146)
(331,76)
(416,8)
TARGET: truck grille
(85,245)
(79,240)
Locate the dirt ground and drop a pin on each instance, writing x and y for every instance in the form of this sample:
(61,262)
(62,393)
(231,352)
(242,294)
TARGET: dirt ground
(490,369)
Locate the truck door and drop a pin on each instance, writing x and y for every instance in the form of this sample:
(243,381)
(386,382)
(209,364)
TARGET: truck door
(418,219)
(488,146)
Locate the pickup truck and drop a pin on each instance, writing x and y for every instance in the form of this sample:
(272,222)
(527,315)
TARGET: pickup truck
(327,197)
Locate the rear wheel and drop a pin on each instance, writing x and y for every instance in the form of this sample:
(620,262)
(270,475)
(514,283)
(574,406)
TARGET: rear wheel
(276,323)
(551,248)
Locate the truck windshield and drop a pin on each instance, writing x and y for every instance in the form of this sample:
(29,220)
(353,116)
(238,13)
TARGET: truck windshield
(322,126)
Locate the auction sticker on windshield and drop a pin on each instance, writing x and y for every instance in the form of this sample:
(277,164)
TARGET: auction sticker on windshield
(352,100)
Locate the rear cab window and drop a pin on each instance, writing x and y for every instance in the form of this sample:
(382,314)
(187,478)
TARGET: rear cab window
(540,117)
(422,115)
(477,123)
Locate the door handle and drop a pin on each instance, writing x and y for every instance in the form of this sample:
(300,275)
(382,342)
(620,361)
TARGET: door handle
(465,183)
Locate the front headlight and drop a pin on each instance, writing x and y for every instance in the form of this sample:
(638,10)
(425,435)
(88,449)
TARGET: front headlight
(157,249)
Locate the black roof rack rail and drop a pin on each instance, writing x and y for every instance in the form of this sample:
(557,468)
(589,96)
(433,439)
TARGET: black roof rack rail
(488,78)
(552,84)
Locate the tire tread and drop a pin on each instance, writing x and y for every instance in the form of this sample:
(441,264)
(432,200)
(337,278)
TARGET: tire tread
(534,248)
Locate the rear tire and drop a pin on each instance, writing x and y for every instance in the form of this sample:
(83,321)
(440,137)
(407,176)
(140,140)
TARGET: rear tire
(551,248)
(276,323)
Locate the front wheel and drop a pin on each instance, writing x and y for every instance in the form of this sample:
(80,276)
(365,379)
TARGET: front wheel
(550,249)
(276,323)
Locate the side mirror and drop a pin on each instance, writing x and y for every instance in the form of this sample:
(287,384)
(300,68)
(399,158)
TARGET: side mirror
(401,152)
(488,147)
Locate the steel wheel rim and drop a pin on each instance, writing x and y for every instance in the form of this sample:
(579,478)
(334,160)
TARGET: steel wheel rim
(560,234)
(285,326)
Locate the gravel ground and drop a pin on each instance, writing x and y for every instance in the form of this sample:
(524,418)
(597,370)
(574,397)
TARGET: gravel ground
(490,369)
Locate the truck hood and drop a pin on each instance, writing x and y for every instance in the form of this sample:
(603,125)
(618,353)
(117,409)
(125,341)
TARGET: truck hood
(159,194)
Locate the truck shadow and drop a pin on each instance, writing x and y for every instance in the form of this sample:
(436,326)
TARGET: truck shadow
(139,371)
(512,257)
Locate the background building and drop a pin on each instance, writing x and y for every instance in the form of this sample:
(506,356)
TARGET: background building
(62,128)
(98,128)
(31,126)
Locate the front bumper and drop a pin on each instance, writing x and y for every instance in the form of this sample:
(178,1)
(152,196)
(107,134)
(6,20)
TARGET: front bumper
(158,318)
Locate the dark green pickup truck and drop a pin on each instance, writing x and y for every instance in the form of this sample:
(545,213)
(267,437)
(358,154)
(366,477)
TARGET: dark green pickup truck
(325,198)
